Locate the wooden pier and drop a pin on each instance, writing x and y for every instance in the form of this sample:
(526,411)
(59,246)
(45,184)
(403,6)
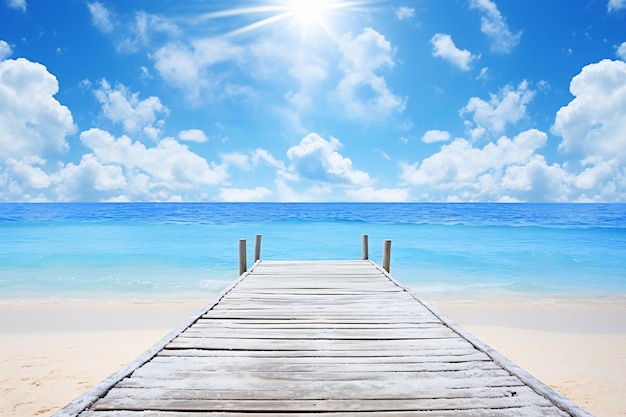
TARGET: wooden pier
(328,338)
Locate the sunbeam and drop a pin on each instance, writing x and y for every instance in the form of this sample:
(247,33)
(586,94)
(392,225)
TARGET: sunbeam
(304,15)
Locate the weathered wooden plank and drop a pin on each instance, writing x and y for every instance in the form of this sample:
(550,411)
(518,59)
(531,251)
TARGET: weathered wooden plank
(391,393)
(252,383)
(310,324)
(182,342)
(316,405)
(228,356)
(318,334)
(295,315)
(525,411)
(270,376)
(425,354)
(159,367)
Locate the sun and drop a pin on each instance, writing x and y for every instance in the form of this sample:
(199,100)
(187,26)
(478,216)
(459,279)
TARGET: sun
(308,15)
(308,12)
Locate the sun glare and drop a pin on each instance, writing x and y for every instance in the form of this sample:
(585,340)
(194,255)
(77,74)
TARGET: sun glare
(305,14)
(308,11)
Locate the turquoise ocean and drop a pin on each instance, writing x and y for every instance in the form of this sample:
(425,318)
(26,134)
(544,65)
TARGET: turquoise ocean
(188,251)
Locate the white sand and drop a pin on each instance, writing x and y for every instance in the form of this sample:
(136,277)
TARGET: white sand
(53,352)
(577,349)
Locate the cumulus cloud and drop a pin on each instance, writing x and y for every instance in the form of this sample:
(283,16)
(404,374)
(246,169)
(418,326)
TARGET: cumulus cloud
(536,180)
(492,117)
(474,173)
(128,168)
(433,136)
(444,47)
(405,12)
(188,67)
(121,106)
(193,135)
(5,50)
(615,5)
(32,121)
(364,95)
(317,159)
(244,194)
(17,5)
(621,51)
(494,26)
(592,124)
(101,17)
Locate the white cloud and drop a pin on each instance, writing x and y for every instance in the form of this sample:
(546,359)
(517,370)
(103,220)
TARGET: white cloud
(433,136)
(32,121)
(141,31)
(317,159)
(17,5)
(621,51)
(536,181)
(592,124)
(310,71)
(405,12)
(461,166)
(5,50)
(244,194)
(101,17)
(363,95)
(193,135)
(28,173)
(615,5)
(251,160)
(91,180)
(317,192)
(493,116)
(367,52)
(596,172)
(123,170)
(444,47)
(169,165)
(494,26)
(388,195)
(121,106)
(237,159)
(188,68)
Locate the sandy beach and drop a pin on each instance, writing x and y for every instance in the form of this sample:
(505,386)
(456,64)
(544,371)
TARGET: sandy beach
(53,352)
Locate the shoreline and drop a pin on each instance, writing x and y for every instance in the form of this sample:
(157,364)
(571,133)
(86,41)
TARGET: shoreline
(55,351)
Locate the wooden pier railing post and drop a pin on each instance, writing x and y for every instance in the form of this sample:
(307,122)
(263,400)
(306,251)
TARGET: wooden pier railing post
(257,248)
(243,267)
(387,255)
(366,255)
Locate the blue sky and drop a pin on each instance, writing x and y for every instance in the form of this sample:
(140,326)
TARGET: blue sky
(277,100)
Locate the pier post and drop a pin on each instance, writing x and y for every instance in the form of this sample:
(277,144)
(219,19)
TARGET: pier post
(387,255)
(257,248)
(243,267)
(366,255)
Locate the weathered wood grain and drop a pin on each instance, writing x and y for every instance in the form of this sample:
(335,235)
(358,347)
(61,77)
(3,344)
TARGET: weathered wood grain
(526,411)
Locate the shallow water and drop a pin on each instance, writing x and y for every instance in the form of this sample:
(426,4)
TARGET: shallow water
(177,251)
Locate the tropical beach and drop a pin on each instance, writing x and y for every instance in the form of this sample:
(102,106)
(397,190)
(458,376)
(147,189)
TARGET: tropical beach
(139,141)
(56,351)
(85,288)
